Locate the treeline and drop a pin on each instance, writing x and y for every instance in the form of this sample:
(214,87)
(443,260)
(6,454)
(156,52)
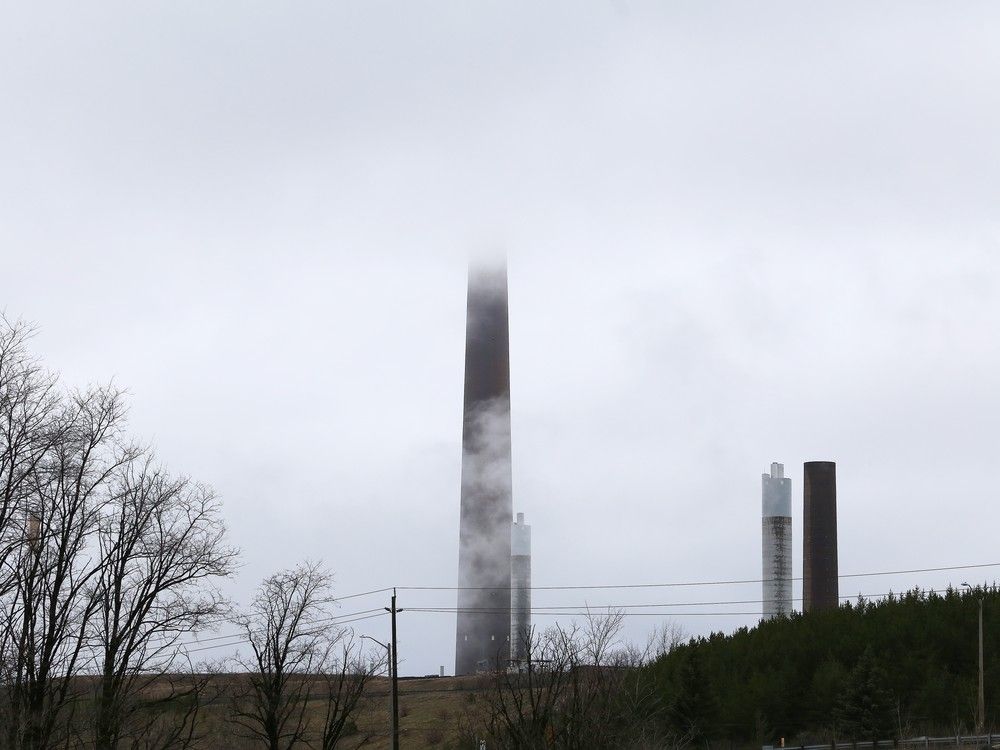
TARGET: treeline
(110,567)
(580,689)
(901,666)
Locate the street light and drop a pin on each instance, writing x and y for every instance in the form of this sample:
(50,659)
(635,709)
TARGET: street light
(980,714)
(393,655)
(392,712)
(388,650)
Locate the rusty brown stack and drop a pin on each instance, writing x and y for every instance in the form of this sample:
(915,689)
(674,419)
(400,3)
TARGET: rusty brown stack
(820,582)
(483,634)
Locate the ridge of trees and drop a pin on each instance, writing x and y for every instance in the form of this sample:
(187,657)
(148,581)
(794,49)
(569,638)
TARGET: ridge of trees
(902,666)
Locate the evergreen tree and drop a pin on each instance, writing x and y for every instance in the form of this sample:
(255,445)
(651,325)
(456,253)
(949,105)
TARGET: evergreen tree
(695,710)
(867,665)
(865,710)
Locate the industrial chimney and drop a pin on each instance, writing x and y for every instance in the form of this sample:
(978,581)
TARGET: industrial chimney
(484,557)
(820,582)
(520,590)
(776,546)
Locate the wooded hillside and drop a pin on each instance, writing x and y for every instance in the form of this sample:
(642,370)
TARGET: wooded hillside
(904,665)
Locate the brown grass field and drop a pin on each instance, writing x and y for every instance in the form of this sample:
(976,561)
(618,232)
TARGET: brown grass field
(432,710)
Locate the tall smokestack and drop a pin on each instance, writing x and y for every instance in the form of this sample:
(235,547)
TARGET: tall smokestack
(484,559)
(776,547)
(820,582)
(520,590)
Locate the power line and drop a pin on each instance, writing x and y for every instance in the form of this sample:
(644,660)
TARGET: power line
(577,610)
(247,640)
(584,613)
(568,610)
(598,607)
(306,622)
(234,621)
(363,593)
(692,583)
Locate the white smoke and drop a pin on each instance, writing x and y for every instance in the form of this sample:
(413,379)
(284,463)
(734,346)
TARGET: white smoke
(486,494)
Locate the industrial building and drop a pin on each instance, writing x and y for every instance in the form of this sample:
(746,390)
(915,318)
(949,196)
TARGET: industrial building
(484,559)
(520,590)
(776,543)
(820,581)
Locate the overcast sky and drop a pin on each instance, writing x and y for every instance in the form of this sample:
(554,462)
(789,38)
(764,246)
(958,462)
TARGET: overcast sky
(737,233)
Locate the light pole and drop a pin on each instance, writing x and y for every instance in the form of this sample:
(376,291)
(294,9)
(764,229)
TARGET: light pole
(388,652)
(981,708)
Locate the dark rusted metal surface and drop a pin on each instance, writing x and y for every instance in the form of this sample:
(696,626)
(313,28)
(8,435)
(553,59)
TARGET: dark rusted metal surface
(483,628)
(820,582)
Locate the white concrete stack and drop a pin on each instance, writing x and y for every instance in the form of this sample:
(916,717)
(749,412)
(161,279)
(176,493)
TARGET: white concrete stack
(777,543)
(520,590)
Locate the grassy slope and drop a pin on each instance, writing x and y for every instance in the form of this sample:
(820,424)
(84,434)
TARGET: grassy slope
(431,710)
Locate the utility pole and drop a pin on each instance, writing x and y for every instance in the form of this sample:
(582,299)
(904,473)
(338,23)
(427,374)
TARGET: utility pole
(981,707)
(982,700)
(393,666)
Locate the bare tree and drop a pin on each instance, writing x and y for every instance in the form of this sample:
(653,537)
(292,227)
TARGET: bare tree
(104,563)
(524,708)
(601,631)
(47,605)
(345,673)
(664,639)
(29,407)
(162,542)
(288,639)
(167,713)
(577,690)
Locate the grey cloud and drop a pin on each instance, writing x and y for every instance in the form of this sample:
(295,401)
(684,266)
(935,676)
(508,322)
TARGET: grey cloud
(736,234)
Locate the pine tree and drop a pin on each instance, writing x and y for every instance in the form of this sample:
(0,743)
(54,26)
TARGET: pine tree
(865,707)
(695,708)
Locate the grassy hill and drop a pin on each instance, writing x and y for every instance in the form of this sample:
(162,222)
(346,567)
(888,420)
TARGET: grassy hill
(431,712)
